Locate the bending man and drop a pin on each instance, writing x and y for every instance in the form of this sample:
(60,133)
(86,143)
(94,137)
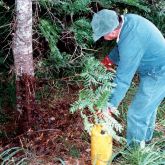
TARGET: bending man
(140,48)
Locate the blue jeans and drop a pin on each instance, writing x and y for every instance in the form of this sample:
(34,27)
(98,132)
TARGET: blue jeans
(143,109)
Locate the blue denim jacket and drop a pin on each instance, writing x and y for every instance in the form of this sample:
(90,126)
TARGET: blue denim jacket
(141,48)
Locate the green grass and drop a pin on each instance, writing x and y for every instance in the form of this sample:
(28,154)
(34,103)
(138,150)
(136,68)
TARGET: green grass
(74,152)
(161,112)
(150,155)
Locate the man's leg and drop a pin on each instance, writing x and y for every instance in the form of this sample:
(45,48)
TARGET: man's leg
(151,127)
(143,108)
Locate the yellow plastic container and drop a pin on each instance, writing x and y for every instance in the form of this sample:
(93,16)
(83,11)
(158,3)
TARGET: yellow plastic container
(101,146)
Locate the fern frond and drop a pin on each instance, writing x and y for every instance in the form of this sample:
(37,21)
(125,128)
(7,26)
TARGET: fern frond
(94,96)
(83,32)
(9,156)
(51,33)
(104,3)
(102,99)
(76,6)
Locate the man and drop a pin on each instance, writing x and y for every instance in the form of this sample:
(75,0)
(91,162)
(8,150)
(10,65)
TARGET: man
(140,48)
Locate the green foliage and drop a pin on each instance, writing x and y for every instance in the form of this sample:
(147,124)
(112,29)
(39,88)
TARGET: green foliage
(74,152)
(5,43)
(158,19)
(76,6)
(97,87)
(161,112)
(136,5)
(7,93)
(79,35)
(104,3)
(66,27)
(149,155)
(154,12)
(10,156)
(83,32)
(6,59)
(67,7)
(121,5)
(51,33)
(95,77)
(1,3)
(46,3)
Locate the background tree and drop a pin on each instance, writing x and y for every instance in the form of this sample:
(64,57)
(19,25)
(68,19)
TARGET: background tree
(23,59)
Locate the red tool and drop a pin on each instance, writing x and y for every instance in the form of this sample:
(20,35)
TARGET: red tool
(107,62)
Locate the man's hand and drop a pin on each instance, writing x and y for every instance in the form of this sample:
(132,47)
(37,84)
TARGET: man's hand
(107,63)
(104,113)
(109,111)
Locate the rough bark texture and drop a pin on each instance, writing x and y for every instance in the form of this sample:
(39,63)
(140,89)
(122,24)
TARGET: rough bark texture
(23,60)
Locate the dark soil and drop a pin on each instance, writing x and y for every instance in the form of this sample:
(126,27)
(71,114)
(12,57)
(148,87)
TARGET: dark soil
(56,133)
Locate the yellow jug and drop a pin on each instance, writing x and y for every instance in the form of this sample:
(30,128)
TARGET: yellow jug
(101,146)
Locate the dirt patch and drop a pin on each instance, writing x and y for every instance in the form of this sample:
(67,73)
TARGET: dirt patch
(56,135)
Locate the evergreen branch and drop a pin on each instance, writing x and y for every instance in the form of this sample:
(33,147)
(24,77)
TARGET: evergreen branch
(94,97)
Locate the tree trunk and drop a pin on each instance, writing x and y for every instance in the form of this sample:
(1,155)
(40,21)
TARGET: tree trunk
(23,61)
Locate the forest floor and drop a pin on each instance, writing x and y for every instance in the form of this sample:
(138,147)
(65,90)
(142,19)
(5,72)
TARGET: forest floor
(59,138)
(60,135)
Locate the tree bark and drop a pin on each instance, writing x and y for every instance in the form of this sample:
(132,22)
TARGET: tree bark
(23,61)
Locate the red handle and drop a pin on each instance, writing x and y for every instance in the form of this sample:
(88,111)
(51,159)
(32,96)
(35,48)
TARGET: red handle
(107,62)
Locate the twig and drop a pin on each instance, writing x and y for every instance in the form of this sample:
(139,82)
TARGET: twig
(90,49)
(5,25)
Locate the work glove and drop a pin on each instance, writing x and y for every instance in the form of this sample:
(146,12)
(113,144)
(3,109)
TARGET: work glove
(107,63)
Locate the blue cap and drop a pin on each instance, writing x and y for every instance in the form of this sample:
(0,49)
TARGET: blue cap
(104,22)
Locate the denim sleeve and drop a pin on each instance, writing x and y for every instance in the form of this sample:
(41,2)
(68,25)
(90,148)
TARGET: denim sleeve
(131,52)
(114,55)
